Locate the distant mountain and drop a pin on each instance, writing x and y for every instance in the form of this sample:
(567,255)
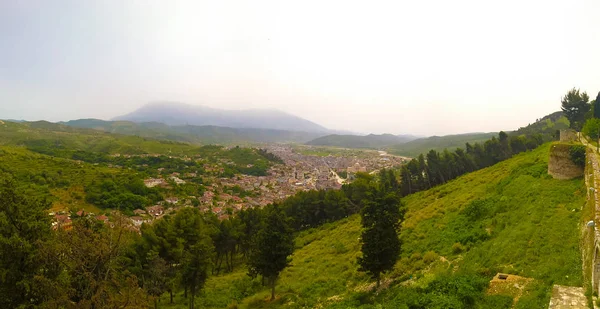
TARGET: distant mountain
(546,126)
(357,141)
(195,134)
(438,143)
(178,114)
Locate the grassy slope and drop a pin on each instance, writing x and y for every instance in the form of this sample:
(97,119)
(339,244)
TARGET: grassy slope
(527,226)
(61,181)
(41,132)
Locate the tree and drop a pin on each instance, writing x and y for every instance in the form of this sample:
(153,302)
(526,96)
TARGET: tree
(596,106)
(196,263)
(271,247)
(156,276)
(592,128)
(380,218)
(575,105)
(24,228)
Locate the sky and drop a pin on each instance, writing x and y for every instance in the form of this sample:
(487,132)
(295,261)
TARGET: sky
(428,67)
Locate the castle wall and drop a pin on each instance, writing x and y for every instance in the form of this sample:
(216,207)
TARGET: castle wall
(560,165)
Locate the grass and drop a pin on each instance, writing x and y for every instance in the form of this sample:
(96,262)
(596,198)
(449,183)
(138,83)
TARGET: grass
(511,217)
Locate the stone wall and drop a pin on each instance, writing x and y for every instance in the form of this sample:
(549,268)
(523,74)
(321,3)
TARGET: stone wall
(568,135)
(560,165)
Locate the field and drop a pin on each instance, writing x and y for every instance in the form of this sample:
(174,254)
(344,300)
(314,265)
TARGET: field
(511,217)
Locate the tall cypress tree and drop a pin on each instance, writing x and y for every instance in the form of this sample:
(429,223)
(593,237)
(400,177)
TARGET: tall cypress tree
(380,217)
(271,247)
(597,106)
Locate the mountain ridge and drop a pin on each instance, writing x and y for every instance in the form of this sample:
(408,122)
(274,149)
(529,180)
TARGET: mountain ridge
(194,134)
(178,114)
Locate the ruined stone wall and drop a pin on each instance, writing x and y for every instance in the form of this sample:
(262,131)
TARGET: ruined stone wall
(560,165)
(568,135)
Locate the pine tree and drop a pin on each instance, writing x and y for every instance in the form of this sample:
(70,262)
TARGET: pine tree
(380,217)
(24,228)
(596,106)
(575,106)
(271,247)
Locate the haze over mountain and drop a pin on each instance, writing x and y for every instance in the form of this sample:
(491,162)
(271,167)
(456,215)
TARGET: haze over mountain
(175,113)
(195,134)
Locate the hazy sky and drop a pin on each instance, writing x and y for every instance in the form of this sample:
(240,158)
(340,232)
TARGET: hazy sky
(423,67)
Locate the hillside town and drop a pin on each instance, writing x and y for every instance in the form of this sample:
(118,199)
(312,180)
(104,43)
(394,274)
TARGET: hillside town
(226,196)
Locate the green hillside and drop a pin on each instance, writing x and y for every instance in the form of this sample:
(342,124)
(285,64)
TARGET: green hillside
(43,133)
(76,168)
(511,217)
(547,126)
(195,134)
(372,141)
(438,143)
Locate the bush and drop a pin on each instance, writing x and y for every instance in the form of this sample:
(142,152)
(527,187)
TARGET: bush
(458,248)
(591,128)
(430,257)
(577,154)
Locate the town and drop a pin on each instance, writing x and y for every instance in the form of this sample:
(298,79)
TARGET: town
(225,196)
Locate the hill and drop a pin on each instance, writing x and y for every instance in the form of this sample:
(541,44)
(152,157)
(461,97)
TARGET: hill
(373,141)
(511,217)
(546,126)
(438,143)
(174,113)
(195,134)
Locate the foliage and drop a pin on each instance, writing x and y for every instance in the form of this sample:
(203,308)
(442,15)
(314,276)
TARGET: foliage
(575,105)
(577,154)
(591,128)
(272,246)
(596,106)
(24,228)
(437,168)
(380,245)
(438,143)
(511,217)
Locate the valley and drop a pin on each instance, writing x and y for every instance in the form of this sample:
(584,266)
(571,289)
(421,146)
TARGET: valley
(299,155)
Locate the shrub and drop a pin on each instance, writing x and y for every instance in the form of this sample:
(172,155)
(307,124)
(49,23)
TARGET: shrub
(577,154)
(458,248)
(430,257)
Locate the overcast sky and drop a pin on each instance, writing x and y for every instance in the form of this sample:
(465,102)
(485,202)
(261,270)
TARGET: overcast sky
(422,67)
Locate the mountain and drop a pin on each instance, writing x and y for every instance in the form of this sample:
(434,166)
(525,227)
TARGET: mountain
(195,134)
(422,145)
(177,114)
(357,141)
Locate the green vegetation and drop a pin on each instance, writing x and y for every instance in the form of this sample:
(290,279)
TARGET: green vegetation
(372,141)
(195,134)
(577,154)
(511,217)
(271,247)
(575,105)
(380,219)
(324,151)
(438,143)
(85,169)
(548,125)
(591,128)
(437,168)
